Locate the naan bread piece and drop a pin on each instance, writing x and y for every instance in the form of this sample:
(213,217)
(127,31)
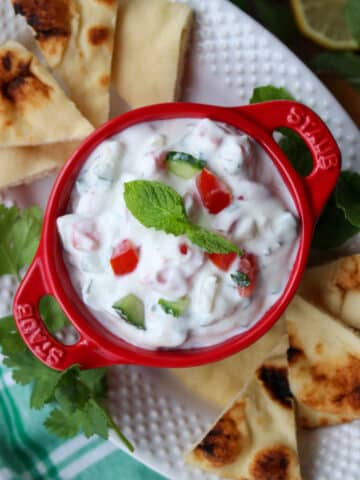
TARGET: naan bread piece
(33,108)
(324,366)
(76,38)
(220,382)
(255,438)
(25,164)
(151,41)
(335,287)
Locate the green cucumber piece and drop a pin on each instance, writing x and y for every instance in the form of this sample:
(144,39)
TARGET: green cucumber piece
(183,165)
(131,309)
(177,308)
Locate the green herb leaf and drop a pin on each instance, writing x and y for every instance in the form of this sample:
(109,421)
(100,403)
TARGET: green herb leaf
(52,315)
(296,151)
(241,279)
(156,205)
(20,231)
(292,145)
(71,393)
(159,206)
(332,229)
(268,93)
(10,340)
(94,420)
(43,389)
(95,381)
(278,18)
(344,64)
(61,424)
(243,4)
(209,241)
(348,196)
(175,308)
(352,14)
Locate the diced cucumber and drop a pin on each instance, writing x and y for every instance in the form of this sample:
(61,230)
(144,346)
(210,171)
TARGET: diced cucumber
(131,309)
(177,308)
(183,165)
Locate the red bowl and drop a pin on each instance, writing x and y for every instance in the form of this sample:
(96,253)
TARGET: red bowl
(47,274)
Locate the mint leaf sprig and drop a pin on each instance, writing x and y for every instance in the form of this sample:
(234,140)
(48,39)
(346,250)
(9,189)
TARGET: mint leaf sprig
(156,205)
(77,396)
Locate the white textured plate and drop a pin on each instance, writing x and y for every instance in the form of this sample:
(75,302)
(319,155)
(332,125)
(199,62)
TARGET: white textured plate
(231,54)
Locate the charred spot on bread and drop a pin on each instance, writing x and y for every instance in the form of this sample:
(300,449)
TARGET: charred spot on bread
(49,18)
(6,61)
(272,464)
(222,444)
(275,380)
(334,388)
(17,80)
(293,354)
(98,35)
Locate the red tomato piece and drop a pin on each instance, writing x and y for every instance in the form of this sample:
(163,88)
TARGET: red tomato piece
(222,260)
(214,194)
(248,266)
(125,258)
(183,248)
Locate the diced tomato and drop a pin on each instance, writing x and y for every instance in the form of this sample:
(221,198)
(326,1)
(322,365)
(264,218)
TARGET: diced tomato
(183,248)
(248,266)
(214,194)
(222,260)
(125,258)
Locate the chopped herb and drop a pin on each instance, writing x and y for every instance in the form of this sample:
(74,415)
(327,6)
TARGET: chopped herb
(241,279)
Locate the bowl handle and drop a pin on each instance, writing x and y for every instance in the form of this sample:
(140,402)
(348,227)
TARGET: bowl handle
(322,145)
(36,336)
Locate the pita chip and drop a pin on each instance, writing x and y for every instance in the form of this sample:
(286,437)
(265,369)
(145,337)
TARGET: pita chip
(76,38)
(33,108)
(324,366)
(20,165)
(255,438)
(220,382)
(335,287)
(151,41)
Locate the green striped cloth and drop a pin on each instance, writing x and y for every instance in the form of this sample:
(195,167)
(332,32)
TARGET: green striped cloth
(28,452)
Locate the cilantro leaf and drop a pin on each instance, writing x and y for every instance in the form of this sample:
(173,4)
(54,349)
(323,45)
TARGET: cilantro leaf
(20,232)
(61,424)
(71,393)
(10,340)
(28,369)
(94,420)
(43,389)
(352,14)
(345,64)
(156,205)
(348,196)
(209,241)
(267,93)
(52,315)
(95,381)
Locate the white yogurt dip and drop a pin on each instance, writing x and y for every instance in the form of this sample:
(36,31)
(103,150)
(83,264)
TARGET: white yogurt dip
(260,219)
